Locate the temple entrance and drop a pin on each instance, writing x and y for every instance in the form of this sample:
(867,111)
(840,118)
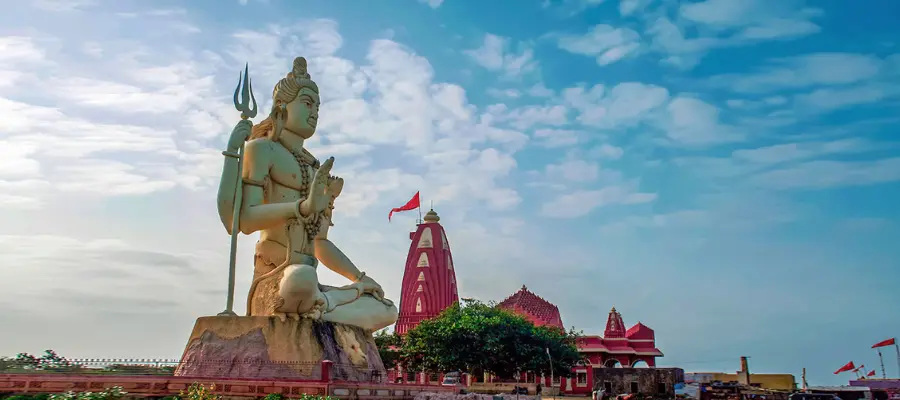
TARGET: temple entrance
(612,363)
(640,364)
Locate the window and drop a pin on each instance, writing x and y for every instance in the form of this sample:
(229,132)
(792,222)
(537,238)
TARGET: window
(661,388)
(421,276)
(420,289)
(418,305)
(423,260)
(607,387)
(425,239)
(634,387)
(581,378)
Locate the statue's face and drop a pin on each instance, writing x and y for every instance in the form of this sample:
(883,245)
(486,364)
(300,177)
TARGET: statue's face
(303,113)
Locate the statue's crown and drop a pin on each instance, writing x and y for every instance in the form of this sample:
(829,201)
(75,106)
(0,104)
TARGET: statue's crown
(300,74)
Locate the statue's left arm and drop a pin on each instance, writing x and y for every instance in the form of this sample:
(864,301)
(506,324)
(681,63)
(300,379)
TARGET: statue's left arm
(335,259)
(332,257)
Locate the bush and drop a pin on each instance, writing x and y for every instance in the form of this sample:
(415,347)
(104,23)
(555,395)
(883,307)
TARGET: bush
(113,393)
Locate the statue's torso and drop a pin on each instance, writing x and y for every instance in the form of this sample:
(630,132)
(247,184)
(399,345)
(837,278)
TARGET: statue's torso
(289,181)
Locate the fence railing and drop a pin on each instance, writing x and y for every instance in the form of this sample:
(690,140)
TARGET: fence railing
(299,371)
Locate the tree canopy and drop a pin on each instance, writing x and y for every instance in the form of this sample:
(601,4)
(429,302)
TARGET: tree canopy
(480,337)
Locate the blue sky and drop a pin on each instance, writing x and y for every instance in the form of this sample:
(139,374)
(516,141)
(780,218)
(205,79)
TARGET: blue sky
(723,171)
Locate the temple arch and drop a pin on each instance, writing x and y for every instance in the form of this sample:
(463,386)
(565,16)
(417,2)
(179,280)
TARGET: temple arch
(612,363)
(640,364)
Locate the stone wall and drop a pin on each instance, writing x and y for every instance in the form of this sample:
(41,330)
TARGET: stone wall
(647,381)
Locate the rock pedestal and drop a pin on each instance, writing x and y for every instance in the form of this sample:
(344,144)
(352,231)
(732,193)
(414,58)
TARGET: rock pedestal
(266,347)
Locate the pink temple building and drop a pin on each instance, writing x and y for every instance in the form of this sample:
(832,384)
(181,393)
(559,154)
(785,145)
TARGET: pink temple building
(429,282)
(429,286)
(620,347)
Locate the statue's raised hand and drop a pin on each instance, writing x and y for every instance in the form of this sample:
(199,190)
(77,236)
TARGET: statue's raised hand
(239,134)
(319,196)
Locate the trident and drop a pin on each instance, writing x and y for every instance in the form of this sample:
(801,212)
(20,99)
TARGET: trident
(247,112)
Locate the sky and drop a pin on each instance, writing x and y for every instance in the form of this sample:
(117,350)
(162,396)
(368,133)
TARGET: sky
(724,171)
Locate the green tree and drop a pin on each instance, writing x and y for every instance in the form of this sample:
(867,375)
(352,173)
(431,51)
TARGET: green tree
(480,337)
(388,345)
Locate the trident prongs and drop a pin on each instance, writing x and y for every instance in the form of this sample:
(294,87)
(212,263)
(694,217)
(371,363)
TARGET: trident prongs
(247,96)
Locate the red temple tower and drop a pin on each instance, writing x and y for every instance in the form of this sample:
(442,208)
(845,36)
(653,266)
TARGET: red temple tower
(429,281)
(533,307)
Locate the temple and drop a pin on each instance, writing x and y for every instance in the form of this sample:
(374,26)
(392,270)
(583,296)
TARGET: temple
(429,281)
(429,287)
(620,347)
(533,307)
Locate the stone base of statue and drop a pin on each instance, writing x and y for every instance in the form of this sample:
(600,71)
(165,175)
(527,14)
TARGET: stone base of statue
(267,348)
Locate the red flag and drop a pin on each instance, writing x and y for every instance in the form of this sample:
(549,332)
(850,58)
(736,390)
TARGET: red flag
(412,204)
(889,342)
(871,373)
(847,367)
(861,366)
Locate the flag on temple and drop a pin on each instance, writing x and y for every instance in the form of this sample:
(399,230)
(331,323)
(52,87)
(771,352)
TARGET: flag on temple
(889,342)
(859,367)
(412,204)
(847,367)
(871,373)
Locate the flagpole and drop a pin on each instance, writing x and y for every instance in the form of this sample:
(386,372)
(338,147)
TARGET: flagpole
(420,208)
(880,358)
(897,348)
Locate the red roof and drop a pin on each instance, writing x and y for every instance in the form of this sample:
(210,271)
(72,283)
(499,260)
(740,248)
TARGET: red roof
(540,311)
(640,332)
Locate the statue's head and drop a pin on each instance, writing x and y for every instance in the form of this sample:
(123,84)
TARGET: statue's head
(295,105)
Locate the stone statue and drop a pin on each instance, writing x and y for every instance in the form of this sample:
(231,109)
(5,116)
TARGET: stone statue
(288,196)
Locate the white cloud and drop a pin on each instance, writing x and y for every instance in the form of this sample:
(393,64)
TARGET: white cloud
(798,151)
(63,5)
(582,202)
(692,121)
(753,19)
(625,105)
(628,7)
(805,71)
(607,43)
(552,138)
(821,174)
(496,54)
(432,3)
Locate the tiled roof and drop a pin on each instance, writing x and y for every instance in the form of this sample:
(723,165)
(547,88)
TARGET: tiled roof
(640,331)
(533,305)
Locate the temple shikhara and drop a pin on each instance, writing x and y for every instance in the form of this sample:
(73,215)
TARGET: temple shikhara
(429,282)
(429,286)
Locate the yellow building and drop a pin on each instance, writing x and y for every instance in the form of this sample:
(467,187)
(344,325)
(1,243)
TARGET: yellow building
(763,381)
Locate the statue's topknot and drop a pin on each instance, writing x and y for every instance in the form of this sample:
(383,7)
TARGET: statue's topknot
(299,71)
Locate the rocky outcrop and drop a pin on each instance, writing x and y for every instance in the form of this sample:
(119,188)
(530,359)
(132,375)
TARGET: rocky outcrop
(266,347)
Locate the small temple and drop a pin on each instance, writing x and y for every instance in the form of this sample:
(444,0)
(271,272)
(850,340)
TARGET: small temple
(429,281)
(620,347)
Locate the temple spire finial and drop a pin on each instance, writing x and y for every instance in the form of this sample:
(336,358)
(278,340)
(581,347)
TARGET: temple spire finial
(431,216)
